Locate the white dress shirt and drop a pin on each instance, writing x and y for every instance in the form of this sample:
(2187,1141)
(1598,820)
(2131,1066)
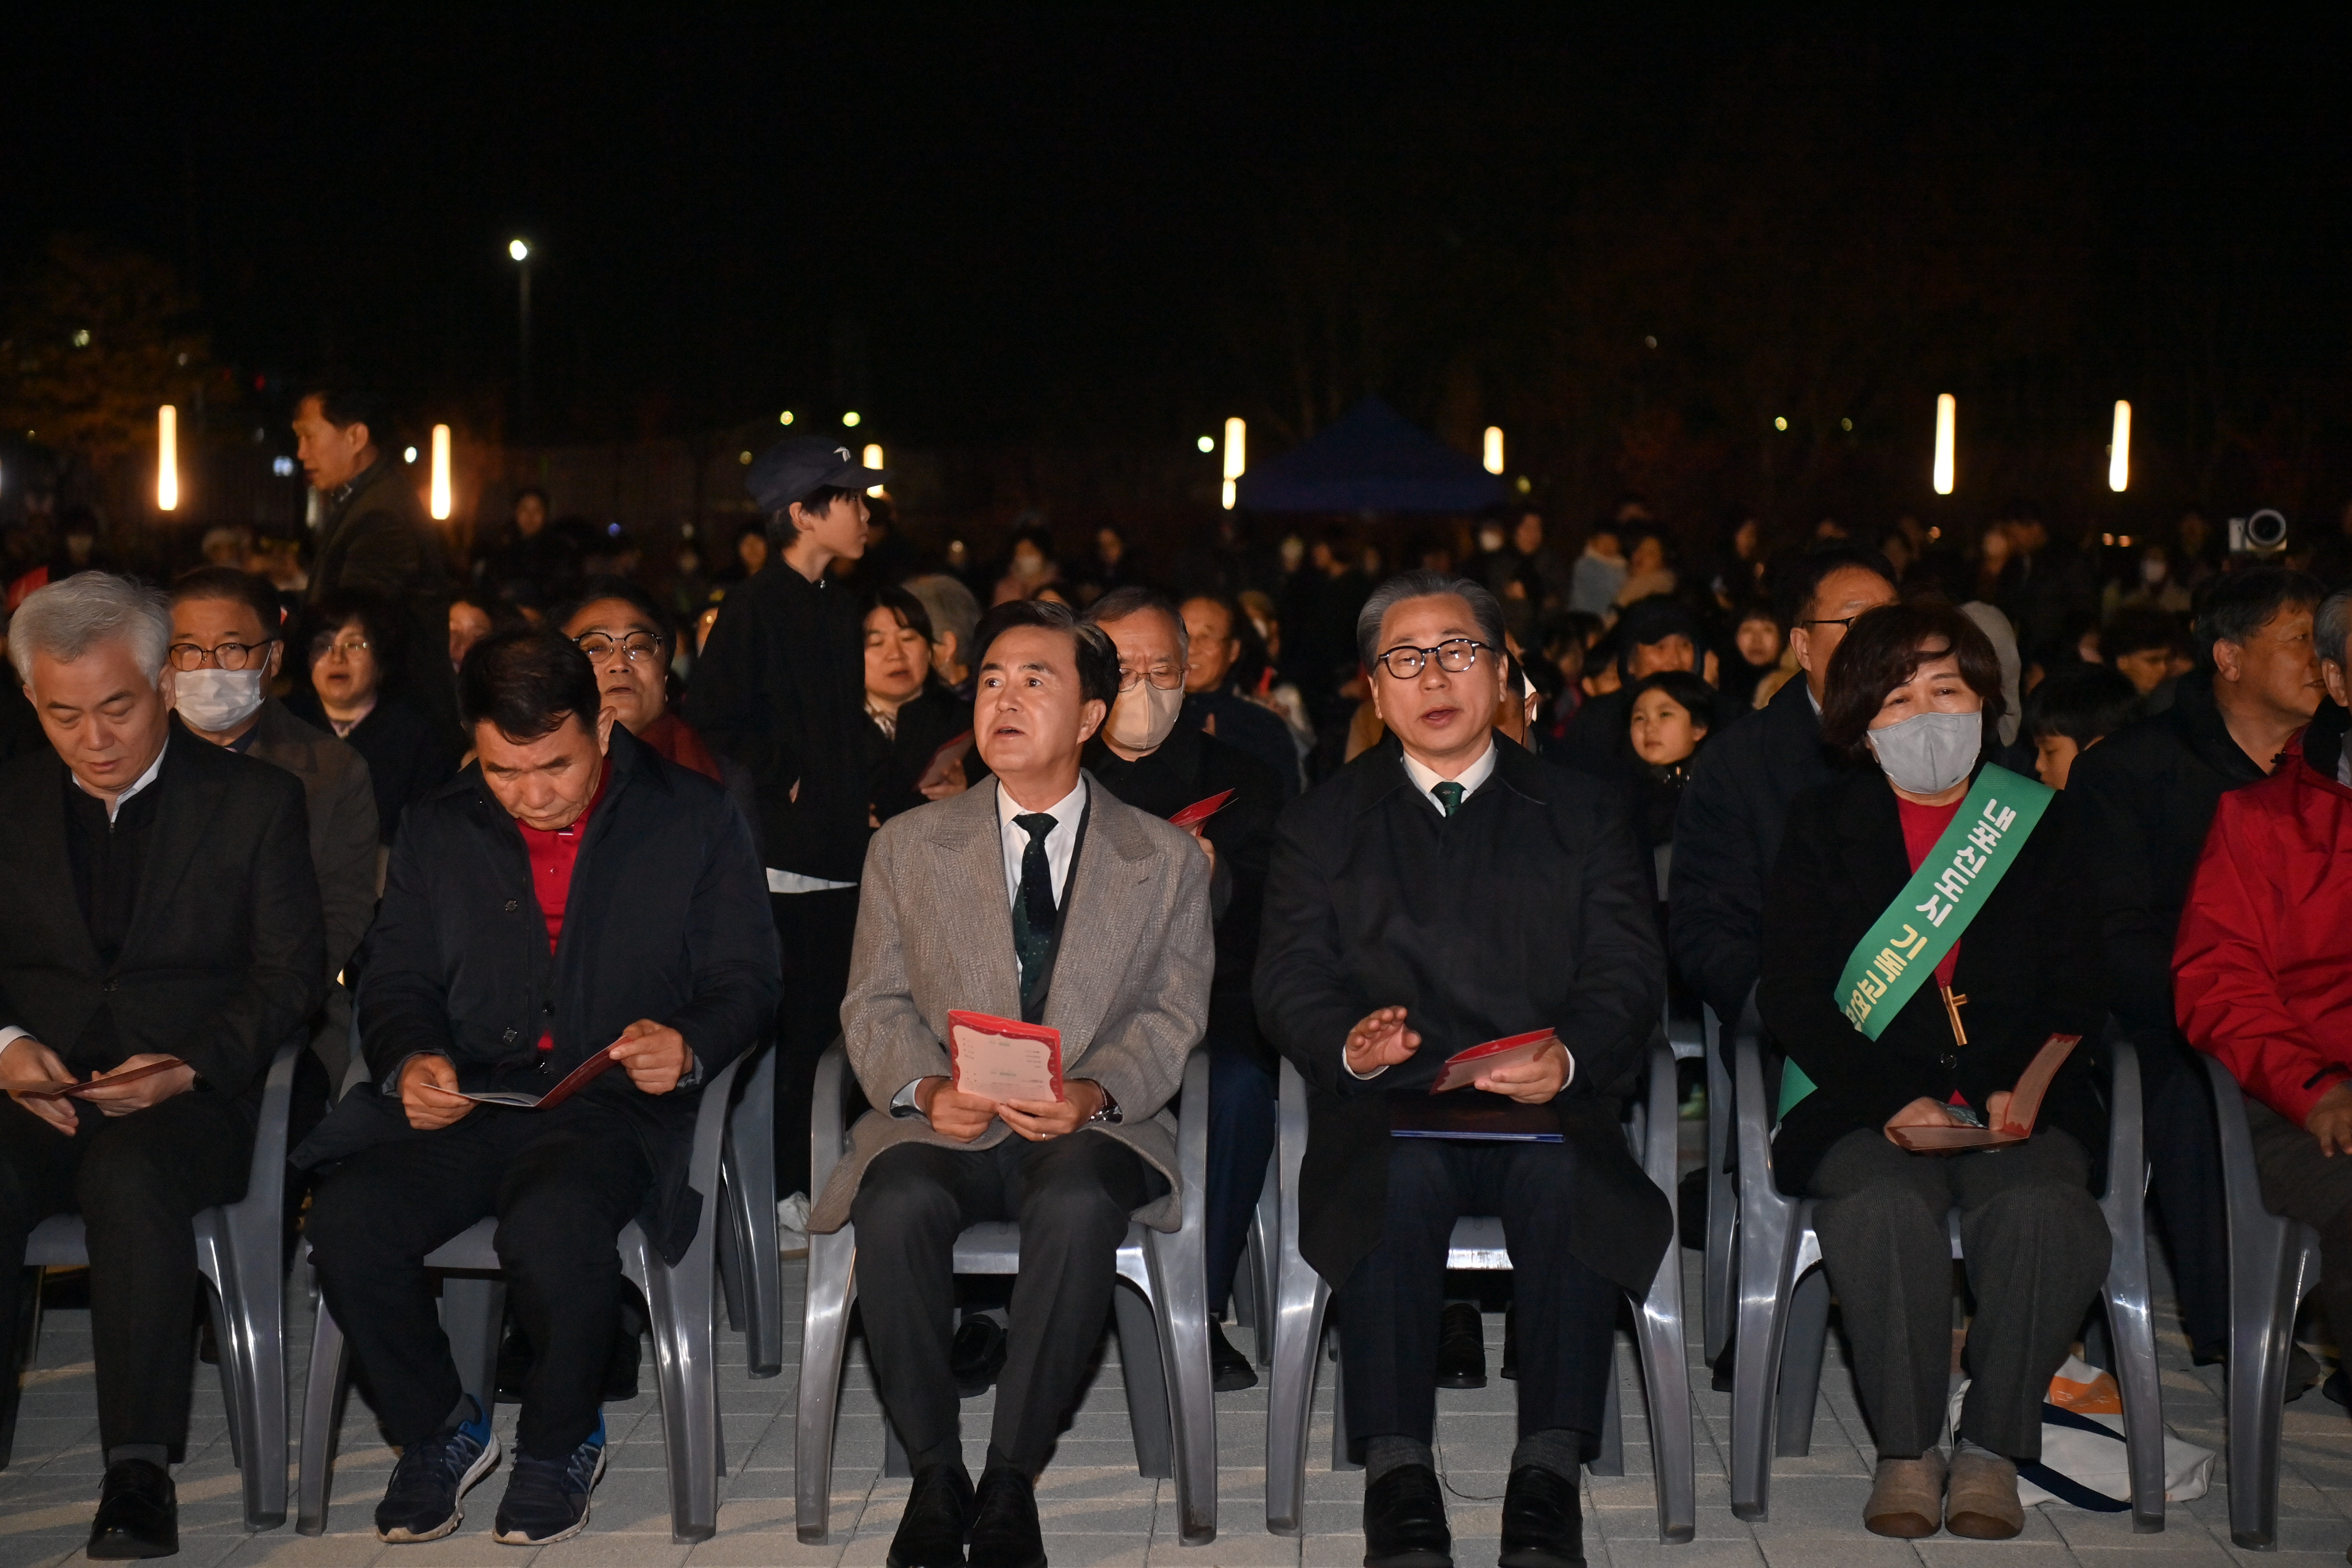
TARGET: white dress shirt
(1472,779)
(11,1034)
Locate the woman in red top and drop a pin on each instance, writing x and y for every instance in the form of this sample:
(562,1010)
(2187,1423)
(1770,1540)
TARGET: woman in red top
(1913,701)
(629,642)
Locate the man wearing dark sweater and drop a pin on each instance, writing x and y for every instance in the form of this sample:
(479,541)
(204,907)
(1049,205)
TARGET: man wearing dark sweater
(158,921)
(781,688)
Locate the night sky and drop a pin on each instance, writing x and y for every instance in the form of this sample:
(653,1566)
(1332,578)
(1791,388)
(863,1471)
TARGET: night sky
(1085,226)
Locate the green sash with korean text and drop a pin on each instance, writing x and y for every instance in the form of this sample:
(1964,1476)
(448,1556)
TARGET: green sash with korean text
(1899,953)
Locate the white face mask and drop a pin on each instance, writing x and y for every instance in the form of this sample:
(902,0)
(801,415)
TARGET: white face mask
(1927,753)
(1142,718)
(216,699)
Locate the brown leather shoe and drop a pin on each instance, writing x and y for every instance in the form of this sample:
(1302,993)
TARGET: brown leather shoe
(1907,1497)
(1981,1503)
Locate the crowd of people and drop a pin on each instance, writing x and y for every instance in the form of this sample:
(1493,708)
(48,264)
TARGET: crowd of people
(492,823)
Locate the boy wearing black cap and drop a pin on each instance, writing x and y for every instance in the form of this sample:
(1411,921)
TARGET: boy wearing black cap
(781,688)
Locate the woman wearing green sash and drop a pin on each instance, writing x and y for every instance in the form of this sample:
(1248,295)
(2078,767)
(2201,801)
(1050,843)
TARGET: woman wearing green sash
(1927,928)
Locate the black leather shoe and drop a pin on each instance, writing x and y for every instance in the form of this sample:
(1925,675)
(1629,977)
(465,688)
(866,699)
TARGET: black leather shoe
(1461,1348)
(1543,1520)
(1404,1521)
(976,1356)
(938,1517)
(138,1514)
(1004,1522)
(1229,1369)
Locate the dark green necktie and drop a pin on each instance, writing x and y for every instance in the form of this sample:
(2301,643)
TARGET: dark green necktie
(1449,796)
(1034,918)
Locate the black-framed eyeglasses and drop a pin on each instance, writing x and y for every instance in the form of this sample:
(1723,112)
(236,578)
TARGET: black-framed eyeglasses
(1455,655)
(1166,677)
(1846,621)
(634,646)
(224,656)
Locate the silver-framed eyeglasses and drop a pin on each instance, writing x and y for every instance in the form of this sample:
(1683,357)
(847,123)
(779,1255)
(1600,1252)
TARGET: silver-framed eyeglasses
(1455,655)
(632,647)
(1166,677)
(224,656)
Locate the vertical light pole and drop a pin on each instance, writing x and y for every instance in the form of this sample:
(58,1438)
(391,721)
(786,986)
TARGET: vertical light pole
(1493,449)
(2119,450)
(440,473)
(873,459)
(167,459)
(1948,412)
(521,251)
(1236,455)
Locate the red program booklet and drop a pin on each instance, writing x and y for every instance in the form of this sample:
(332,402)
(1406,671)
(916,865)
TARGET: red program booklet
(567,1086)
(1003,1058)
(76,1090)
(2017,1120)
(942,760)
(1199,811)
(1464,1067)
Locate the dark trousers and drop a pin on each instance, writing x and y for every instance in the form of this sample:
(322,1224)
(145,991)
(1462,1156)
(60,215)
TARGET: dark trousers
(814,931)
(2301,1182)
(562,1183)
(2036,1249)
(1241,1140)
(1389,1309)
(136,1181)
(2184,1156)
(1073,1196)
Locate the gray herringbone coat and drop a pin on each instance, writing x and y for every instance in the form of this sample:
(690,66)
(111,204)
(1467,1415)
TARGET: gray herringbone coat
(1131,988)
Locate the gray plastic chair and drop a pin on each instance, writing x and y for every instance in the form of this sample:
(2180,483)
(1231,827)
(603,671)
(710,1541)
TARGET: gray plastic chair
(2274,1265)
(1784,1298)
(1719,1289)
(1254,1284)
(1477,1243)
(750,1266)
(473,1310)
(1162,1318)
(238,1250)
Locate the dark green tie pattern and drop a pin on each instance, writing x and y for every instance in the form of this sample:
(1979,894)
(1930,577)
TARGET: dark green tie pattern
(1449,796)
(1034,919)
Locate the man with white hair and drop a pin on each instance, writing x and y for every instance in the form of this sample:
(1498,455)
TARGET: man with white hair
(160,939)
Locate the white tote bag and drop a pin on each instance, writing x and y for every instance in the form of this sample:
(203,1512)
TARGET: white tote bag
(2082,1461)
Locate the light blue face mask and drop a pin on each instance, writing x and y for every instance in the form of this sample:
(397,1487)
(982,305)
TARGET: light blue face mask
(1927,753)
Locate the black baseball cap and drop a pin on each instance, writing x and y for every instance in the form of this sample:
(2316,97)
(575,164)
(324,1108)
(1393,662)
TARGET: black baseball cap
(797,468)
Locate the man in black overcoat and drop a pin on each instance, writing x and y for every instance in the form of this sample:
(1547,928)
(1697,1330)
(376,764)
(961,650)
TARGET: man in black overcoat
(569,891)
(1446,889)
(157,911)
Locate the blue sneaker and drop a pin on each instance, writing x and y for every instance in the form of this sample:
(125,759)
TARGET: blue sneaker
(423,1502)
(547,1500)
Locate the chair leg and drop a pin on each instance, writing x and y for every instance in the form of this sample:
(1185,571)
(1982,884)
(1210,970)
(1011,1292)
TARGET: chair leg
(1265,1247)
(2131,1357)
(684,1320)
(1722,1280)
(1144,1376)
(2269,1273)
(1176,1315)
(1296,1331)
(232,1394)
(1658,1336)
(322,1405)
(1610,1459)
(824,1335)
(1767,1240)
(733,1287)
(1804,1345)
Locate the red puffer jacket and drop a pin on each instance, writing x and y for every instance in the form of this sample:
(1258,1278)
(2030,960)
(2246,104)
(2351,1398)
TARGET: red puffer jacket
(2262,969)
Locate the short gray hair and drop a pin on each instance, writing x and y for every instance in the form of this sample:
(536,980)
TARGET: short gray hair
(2331,628)
(1121,603)
(950,605)
(65,620)
(1484,607)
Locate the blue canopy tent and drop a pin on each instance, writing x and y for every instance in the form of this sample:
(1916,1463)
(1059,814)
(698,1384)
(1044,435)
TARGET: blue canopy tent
(1375,459)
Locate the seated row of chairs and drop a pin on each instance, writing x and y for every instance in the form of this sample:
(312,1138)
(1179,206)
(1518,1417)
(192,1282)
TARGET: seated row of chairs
(1764,1293)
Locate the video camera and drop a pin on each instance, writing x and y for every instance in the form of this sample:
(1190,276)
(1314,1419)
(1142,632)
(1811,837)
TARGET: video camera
(2263,534)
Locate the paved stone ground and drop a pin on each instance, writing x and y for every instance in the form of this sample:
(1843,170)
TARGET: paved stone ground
(1097,1509)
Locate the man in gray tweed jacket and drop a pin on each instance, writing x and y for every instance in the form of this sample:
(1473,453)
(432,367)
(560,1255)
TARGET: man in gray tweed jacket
(1041,897)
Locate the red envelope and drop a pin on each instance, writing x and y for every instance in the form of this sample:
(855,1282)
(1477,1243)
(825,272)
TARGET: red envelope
(949,755)
(2017,1124)
(75,1091)
(1199,811)
(567,1086)
(1003,1058)
(1466,1068)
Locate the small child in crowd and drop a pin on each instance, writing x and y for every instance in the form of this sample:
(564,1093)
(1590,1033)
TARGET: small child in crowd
(2068,714)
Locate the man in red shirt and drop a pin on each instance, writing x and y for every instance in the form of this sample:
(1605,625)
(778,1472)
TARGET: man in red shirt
(570,892)
(2262,969)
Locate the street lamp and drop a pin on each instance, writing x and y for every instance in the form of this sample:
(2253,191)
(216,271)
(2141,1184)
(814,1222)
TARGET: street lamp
(440,473)
(1236,452)
(1493,449)
(167,459)
(521,251)
(873,459)
(2119,451)
(1947,410)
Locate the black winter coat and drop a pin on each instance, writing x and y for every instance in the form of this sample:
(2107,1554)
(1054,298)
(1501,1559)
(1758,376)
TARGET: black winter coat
(1529,908)
(2028,966)
(1727,837)
(2147,794)
(378,541)
(667,918)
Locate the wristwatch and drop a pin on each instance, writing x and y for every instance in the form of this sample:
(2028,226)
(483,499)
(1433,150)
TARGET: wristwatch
(1108,1113)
